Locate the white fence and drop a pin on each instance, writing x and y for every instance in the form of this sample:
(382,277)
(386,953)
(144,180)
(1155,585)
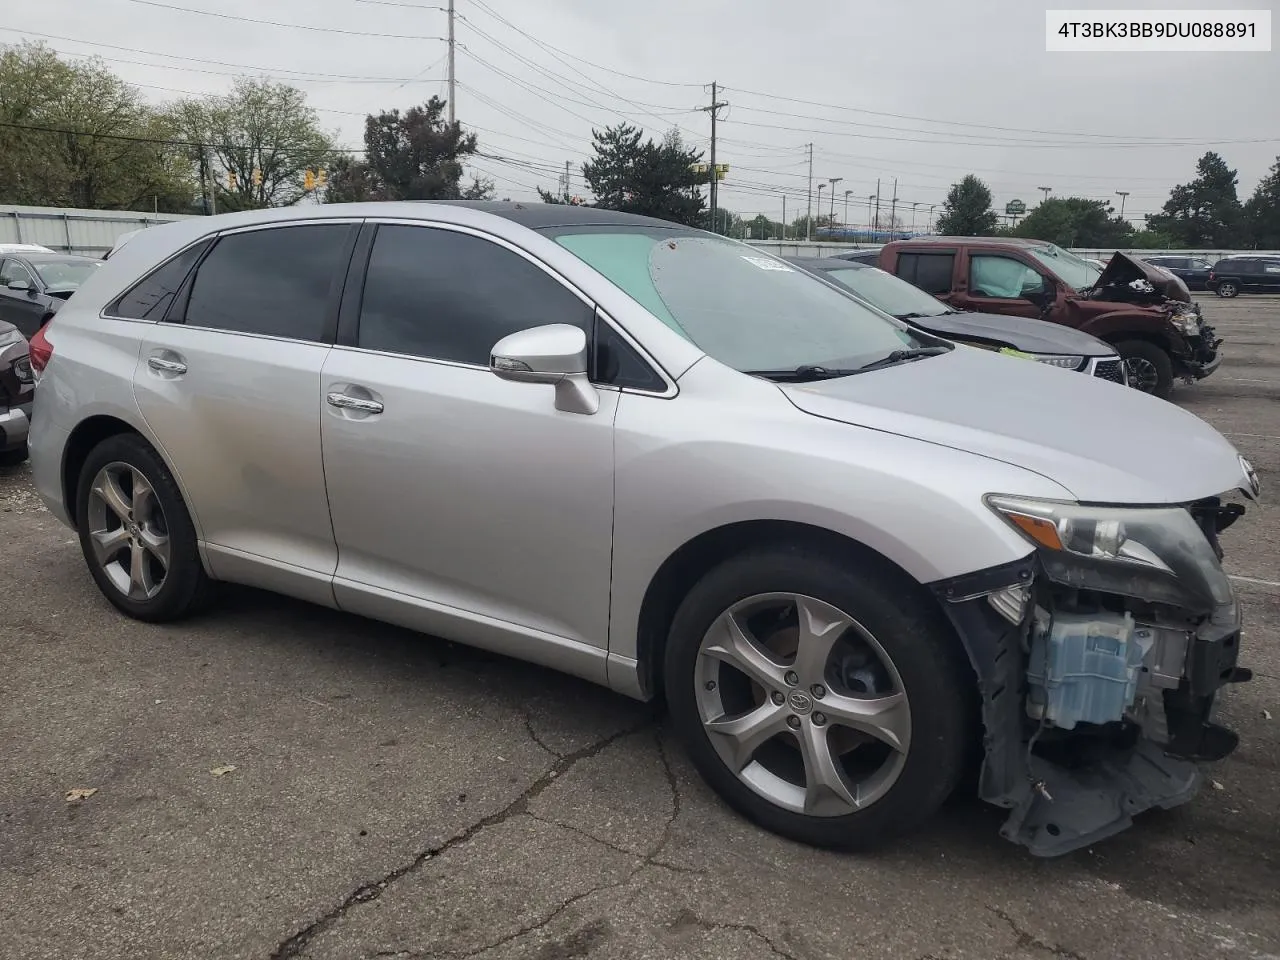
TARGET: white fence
(825,248)
(89,233)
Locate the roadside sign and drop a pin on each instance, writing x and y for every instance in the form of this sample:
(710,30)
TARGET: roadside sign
(1015,208)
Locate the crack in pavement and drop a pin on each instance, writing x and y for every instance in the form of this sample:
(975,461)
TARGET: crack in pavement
(641,864)
(296,943)
(533,734)
(1030,940)
(689,918)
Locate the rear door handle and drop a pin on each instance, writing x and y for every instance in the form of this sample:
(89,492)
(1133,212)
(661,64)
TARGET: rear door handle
(166,366)
(347,402)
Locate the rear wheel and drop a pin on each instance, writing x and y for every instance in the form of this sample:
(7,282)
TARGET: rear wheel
(136,534)
(1148,366)
(1227,289)
(825,703)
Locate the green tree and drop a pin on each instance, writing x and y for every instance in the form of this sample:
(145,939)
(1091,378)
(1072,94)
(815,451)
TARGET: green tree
(967,210)
(1075,222)
(1205,212)
(1263,211)
(761,227)
(1150,240)
(415,155)
(653,179)
(261,126)
(800,227)
(76,135)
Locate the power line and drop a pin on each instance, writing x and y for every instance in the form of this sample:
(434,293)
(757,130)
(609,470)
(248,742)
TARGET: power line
(277,23)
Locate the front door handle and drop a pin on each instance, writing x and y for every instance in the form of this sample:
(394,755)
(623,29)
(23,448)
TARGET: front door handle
(347,402)
(166,366)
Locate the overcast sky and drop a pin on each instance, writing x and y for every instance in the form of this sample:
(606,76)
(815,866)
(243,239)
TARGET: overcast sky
(903,71)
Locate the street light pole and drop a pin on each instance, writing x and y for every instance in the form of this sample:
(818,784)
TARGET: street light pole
(846,208)
(1122,194)
(1046,191)
(833,181)
(821,187)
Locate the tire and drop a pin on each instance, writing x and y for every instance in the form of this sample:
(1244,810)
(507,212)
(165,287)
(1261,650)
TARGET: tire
(161,525)
(14,457)
(1149,367)
(924,654)
(1227,289)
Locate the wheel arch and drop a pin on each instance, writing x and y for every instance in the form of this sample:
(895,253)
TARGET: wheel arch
(86,435)
(677,575)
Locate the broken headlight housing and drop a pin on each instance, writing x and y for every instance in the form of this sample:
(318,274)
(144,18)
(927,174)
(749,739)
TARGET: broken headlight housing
(1186,321)
(1156,554)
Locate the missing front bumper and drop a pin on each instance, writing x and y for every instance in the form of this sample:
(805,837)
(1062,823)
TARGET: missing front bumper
(1083,785)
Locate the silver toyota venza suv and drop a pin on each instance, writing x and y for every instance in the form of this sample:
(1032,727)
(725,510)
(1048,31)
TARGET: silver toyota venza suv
(857,561)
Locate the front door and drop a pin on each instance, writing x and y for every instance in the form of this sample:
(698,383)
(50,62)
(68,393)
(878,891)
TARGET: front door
(23,308)
(462,503)
(230,387)
(1004,285)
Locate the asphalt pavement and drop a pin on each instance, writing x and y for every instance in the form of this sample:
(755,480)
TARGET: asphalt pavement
(275,780)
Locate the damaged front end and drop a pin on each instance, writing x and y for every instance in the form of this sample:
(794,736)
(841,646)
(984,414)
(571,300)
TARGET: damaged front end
(1099,658)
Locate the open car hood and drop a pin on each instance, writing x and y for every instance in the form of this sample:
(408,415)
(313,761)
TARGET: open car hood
(1116,282)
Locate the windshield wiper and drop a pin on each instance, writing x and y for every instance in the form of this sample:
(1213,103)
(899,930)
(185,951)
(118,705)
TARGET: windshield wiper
(902,356)
(921,316)
(805,373)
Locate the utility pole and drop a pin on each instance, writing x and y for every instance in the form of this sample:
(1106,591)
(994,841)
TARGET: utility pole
(808,217)
(1122,194)
(714,110)
(914,204)
(877,199)
(567,191)
(1046,191)
(846,208)
(453,84)
(213,187)
(929,227)
(821,187)
(784,216)
(893,206)
(833,181)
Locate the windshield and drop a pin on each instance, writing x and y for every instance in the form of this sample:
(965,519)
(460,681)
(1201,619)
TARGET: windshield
(889,293)
(1077,273)
(745,308)
(64,274)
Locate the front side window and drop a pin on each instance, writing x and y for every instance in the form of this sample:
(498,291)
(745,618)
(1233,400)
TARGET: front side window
(1002,277)
(1201,265)
(13,270)
(275,282)
(445,295)
(745,308)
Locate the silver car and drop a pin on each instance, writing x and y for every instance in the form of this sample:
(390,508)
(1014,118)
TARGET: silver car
(850,556)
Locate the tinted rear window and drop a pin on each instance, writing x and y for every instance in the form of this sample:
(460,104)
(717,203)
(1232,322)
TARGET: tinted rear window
(149,298)
(931,272)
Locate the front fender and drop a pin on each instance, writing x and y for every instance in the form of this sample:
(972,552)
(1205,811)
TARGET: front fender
(695,463)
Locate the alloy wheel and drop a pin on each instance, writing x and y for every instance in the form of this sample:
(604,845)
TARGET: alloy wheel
(802,703)
(128,532)
(1143,374)
(1227,289)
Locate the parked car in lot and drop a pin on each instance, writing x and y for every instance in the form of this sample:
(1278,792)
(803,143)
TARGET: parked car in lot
(24,248)
(16,387)
(1233,276)
(869,257)
(1049,343)
(1144,312)
(844,551)
(34,285)
(1193,271)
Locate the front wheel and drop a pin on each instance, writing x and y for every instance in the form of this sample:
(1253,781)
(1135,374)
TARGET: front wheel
(136,534)
(1149,367)
(1227,289)
(823,701)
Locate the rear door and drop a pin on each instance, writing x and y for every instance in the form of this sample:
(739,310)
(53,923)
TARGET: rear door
(1270,278)
(931,271)
(229,384)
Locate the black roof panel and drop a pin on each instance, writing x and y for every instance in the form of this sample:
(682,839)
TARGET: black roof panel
(537,216)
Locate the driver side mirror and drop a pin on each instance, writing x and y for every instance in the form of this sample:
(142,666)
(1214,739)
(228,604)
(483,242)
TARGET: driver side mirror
(556,354)
(1042,294)
(19,286)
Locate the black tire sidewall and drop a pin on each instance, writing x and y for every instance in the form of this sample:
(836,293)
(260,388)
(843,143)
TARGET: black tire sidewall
(924,650)
(1230,285)
(1157,357)
(185,582)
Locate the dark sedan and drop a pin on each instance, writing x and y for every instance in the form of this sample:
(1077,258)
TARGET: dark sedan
(34,285)
(1049,343)
(1193,271)
(17,387)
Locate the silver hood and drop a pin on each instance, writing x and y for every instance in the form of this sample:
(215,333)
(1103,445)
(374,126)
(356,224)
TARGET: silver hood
(1104,442)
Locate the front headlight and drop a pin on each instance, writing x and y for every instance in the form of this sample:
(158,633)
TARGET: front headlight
(1158,554)
(1186,322)
(1066,361)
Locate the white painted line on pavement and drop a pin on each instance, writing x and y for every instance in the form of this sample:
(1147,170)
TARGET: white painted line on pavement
(1255,580)
(1251,436)
(1249,380)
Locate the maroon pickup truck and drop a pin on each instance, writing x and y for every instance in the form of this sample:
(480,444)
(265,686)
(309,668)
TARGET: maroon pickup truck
(1144,311)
